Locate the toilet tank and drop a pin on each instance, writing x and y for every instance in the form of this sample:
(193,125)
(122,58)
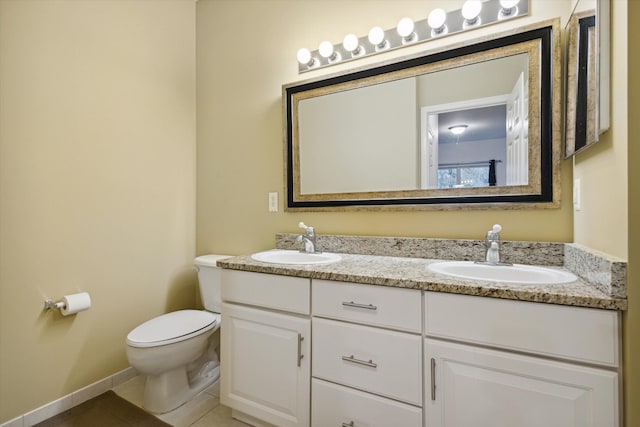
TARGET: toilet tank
(209,281)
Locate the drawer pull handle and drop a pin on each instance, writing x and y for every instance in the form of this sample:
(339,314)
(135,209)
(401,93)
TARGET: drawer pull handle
(350,424)
(300,355)
(355,304)
(352,359)
(433,379)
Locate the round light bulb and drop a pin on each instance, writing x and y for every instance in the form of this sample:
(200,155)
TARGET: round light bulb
(508,4)
(376,36)
(405,27)
(326,49)
(471,9)
(304,56)
(350,42)
(437,18)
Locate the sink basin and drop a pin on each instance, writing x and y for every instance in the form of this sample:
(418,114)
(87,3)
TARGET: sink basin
(291,257)
(516,273)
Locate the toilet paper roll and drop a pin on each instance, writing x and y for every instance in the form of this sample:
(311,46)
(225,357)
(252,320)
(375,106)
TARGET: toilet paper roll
(75,302)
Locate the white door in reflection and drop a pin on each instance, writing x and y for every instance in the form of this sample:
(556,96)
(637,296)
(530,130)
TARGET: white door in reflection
(517,135)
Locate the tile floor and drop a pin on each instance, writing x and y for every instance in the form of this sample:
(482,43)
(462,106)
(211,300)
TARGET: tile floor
(204,410)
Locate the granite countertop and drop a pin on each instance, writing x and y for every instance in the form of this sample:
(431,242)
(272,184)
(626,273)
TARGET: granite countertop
(412,273)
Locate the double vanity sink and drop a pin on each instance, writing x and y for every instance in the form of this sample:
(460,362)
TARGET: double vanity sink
(469,270)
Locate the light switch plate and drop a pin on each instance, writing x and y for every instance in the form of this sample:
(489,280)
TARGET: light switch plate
(273,201)
(577,195)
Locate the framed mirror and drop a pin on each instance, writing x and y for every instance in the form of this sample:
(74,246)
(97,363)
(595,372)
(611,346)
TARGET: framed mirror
(475,125)
(587,74)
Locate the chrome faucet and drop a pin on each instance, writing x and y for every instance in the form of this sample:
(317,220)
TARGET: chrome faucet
(493,247)
(309,238)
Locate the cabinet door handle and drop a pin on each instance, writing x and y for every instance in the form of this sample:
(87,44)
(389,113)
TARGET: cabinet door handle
(300,355)
(352,359)
(357,305)
(349,424)
(433,379)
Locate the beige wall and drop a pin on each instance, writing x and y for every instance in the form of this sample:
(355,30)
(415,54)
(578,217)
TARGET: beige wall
(97,184)
(631,319)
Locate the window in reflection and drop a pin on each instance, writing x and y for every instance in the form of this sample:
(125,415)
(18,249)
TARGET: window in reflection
(459,176)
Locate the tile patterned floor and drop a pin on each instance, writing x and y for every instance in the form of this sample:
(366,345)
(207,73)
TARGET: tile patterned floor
(204,410)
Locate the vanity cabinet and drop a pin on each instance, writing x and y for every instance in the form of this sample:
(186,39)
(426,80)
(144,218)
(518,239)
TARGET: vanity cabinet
(265,348)
(367,355)
(389,356)
(545,382)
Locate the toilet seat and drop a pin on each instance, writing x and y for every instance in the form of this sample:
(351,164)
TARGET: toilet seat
(172,327)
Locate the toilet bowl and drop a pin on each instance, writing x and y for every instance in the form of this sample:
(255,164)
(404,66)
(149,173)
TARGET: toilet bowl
(175,351)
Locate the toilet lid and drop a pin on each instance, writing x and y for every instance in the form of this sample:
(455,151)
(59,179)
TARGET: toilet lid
(210,260)
(172,327)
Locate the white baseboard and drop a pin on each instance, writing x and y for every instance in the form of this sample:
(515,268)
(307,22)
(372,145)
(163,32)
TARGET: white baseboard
(70,400)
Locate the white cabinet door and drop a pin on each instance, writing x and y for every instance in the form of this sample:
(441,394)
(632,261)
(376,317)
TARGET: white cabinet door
(467,386)
(266,365)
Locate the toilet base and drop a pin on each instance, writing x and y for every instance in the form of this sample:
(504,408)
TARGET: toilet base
(170,390)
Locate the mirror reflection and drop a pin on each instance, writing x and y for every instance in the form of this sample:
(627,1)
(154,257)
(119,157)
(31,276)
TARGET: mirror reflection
(470,125)
(587,91)
(581,118)
(445,129)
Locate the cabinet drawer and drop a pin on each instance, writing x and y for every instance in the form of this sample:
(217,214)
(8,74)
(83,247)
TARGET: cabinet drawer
(394,308)
(380,361)
(267,290)
(335,405)
(582,334)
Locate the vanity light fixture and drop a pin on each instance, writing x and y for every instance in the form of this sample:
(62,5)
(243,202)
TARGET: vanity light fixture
(326,51)
(352,45)
(471,13)
(438,23)
(437,20)
(458,129)
(405,29)
(508,9)
(376,38)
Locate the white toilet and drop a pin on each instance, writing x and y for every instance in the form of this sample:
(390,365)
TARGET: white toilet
(175,350)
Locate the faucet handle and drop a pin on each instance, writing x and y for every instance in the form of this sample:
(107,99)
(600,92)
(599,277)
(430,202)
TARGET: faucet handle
(306,228)
(494,233)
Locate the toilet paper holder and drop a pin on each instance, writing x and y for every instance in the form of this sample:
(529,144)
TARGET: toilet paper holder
(50,304)
(70,304)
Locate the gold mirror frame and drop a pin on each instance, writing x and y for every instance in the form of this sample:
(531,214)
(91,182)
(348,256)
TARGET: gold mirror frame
(540,42)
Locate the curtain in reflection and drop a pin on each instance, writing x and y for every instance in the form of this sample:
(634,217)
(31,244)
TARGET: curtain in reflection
(492,173)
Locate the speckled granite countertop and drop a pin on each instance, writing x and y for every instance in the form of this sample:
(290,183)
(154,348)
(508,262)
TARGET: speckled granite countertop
(413,273)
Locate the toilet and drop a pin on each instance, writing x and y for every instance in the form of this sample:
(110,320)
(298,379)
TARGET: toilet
(176,351)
